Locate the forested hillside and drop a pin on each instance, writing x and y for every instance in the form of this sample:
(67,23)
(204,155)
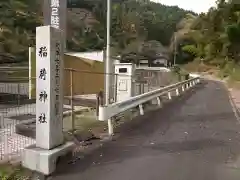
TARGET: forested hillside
(133,23)
(212,38)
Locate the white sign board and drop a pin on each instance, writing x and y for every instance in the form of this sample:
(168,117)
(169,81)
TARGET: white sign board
(125,89)
(122,85)
(49,90)
(55,12)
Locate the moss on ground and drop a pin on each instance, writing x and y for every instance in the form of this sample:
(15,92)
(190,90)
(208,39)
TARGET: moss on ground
(11,172)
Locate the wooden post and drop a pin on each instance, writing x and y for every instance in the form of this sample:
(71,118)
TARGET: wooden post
(71,103)
(100,101)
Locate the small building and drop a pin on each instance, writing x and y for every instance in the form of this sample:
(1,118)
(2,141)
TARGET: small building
(159,62)
(87,70)
(143,63)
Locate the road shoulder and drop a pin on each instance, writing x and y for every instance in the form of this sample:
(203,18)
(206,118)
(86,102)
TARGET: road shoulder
(234,94)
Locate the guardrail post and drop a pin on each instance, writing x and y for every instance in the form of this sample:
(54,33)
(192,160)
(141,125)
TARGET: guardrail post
(110,127)
(177,92)
(169,95)
(71,103)
(159,102)
(193,82)
(183,88)
(141,109)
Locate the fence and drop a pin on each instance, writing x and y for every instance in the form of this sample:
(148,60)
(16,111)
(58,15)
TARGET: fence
(17,112)
(149,79)
(15,108)
(84,85)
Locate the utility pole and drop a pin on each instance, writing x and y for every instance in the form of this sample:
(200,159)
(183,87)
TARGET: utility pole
(108,64)
(175,49)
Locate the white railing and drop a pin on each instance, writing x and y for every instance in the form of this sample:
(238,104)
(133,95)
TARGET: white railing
(107,112)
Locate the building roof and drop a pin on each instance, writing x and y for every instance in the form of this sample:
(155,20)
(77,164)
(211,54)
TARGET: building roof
(92,56)
(163,69)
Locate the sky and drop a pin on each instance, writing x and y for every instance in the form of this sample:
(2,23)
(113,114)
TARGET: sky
(197,6)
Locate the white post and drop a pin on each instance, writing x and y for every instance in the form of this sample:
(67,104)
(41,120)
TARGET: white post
(177,92)
(141,109)
(169,96)
(110,127)
(182,88)
(49,103)
(159,102)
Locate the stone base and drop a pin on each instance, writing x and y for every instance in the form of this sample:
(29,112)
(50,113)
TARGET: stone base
(42,160)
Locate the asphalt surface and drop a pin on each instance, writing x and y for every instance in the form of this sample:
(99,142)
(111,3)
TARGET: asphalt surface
(195,138)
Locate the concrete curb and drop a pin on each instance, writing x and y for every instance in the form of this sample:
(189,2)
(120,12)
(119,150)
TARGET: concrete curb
(233,103)
(77,111)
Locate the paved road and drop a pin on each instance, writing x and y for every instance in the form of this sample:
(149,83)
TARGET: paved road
(198,140)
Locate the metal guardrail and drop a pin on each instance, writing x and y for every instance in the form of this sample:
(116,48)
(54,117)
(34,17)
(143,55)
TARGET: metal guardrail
(107,112)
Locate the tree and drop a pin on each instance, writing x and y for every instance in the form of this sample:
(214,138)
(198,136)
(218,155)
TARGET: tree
(213,36)
(132,21)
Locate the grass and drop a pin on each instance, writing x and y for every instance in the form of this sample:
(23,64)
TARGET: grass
(14,71)
(16,74)
(19,64)
(195,66)
(178,74)
(230,73)
(86,121)
(10,172)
